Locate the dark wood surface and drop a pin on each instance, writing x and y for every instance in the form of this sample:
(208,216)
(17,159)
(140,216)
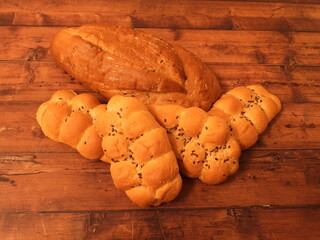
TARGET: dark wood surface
(48,191)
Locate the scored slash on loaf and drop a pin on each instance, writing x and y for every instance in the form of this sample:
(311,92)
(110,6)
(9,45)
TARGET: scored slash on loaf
(125,134)
(115,60)
(208,145)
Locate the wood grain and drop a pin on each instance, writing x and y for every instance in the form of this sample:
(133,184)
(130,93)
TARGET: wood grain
(53,181)
(250,47)
(230,223)
(48,191)
(25,81)
(294,122)
(167,14)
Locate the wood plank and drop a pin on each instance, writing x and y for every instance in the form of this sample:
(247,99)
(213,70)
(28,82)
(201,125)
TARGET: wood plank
(245,7)
(278,1)
(295,121)
(32,81)
(230,223)
(55,181)
(213,46)
(43,226)
(164,14)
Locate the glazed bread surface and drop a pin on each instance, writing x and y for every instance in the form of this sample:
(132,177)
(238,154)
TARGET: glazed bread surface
(203,145)
(248,110)
(116,60)
(69,118)
(124,134)
(208,145)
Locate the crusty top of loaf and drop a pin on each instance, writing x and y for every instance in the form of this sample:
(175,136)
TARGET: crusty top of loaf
(120,60)
(248,110)
(202,144)
(142,161)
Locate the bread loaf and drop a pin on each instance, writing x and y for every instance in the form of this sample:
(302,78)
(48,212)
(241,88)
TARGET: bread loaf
(117,60)
(69,118)
(124,134)
(203,145)
(248,110)
(208,145)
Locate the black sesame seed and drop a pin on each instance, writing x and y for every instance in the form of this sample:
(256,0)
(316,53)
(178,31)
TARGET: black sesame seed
(85,142)
(165,120)
(206,128)
(216,159)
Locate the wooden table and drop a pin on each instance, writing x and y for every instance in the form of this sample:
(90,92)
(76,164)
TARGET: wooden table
(48,191)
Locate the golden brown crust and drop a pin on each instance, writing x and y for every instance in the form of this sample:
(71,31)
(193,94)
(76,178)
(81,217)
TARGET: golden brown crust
(125,134)
(202,144)
(142,161)
(248,110)
(208,145)
(68,118)
(117,60)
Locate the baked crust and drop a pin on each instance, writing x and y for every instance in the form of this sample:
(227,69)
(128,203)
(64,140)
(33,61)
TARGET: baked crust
(117,60)
(123,133)
(208,145)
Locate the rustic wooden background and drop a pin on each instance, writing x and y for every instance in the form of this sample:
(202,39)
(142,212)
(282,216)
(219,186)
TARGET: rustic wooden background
(48,191)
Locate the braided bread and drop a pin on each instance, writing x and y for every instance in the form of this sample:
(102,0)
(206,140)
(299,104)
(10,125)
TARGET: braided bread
(208,145)
(116,60)
(248,110)
(68,118)
(203,145)
(124,134)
